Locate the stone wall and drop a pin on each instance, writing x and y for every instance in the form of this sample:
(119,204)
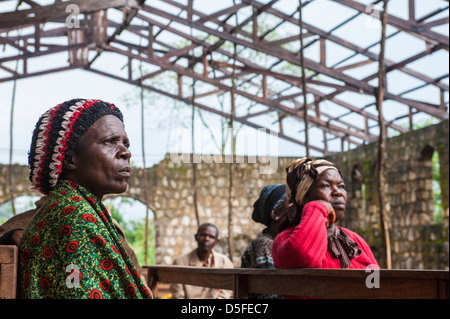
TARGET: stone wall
(173,202)
(417,241)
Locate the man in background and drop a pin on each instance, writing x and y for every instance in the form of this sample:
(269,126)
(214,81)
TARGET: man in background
(203,256)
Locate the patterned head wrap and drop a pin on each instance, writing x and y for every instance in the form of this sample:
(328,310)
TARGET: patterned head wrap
(301,175)
(56,135)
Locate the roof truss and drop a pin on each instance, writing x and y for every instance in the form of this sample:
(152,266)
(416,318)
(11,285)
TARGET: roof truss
(176,38)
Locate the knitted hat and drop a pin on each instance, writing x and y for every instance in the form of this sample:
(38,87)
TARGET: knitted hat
(56,135)
(269,199)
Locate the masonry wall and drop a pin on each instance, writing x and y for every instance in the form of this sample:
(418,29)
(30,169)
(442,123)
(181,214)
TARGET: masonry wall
(174,203)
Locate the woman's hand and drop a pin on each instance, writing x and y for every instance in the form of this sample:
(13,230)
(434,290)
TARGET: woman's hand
(331,214)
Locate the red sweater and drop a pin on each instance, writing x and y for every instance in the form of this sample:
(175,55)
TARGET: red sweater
(305,245)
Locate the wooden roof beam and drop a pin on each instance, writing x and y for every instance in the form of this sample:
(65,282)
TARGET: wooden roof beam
(417,29)
(36,15)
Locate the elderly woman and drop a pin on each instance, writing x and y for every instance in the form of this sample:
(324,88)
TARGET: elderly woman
(71,249)
(312,240)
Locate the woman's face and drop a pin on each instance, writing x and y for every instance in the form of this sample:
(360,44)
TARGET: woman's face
(101,160)
(329,187)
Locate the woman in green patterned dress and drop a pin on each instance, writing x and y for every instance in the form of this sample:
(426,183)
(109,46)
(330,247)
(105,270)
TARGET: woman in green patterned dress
(71,249)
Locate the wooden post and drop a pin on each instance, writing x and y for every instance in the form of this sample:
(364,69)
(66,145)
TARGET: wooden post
(205,62)
(8,272)
(150,41)
(302,63)
(255,25)
(382,142)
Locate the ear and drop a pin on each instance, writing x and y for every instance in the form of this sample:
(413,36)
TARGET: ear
(70,163)
(273,215)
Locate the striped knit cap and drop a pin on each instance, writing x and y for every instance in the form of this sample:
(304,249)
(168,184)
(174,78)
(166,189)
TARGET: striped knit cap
(56,135)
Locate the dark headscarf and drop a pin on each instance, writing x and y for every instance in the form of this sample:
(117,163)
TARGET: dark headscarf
(269,199)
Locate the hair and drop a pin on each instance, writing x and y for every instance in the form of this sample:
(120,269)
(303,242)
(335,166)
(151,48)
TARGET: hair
(56,136)
(208,225)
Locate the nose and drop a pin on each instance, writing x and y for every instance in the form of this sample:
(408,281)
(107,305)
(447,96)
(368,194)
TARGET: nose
(337,191)
(124,152)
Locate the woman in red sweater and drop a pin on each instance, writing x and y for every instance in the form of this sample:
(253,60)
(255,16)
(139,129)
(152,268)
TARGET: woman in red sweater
(312,240)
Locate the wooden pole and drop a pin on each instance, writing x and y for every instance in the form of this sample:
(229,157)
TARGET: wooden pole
(194,161)
(382,85)
(231,167)
(144,172)
(11,144)
(302,64)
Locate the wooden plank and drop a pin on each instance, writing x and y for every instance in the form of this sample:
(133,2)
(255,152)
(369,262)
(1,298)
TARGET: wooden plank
(316,283)
(197,277)
(350,288)
(8,272)
(8,254)
(8,281)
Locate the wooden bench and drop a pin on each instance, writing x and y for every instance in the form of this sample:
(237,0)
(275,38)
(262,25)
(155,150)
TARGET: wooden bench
(316,283)
(319,283)
(8,271)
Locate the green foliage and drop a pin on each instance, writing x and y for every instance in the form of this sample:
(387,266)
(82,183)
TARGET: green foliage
(437,188)
(22,204)
(134,229)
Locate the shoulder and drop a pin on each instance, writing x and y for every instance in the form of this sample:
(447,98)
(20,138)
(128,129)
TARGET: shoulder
(184,258)
(222,260)
(262,244)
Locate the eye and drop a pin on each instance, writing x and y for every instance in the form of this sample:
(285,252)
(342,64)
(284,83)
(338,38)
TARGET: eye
(110,141)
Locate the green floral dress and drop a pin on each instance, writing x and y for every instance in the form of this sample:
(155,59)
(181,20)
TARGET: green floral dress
(71,250)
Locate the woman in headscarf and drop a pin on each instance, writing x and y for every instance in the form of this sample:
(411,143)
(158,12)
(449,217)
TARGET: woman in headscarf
(71,248)
(270,210)
(312,240)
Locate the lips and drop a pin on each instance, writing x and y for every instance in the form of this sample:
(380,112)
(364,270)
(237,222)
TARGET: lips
(338,204)
(125,172)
